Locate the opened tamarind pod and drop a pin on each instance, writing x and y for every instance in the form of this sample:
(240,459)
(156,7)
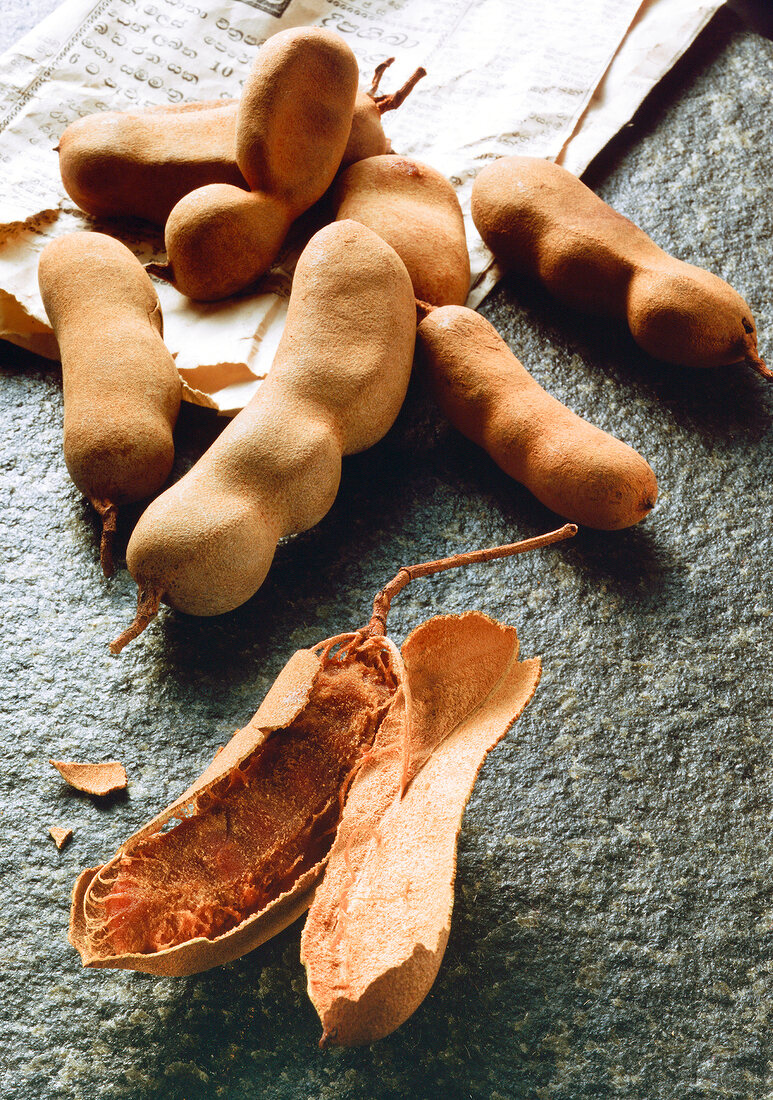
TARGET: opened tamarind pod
(141,163)
(572,467)
(251,834)
(236,858)
(335,387)
(416,210)
(292,128)
(121,387)
(540,220)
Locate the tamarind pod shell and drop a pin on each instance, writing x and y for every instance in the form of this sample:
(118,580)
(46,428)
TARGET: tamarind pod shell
(121,387)
(220,239)
(379,922)
(286,698)
(449,697)
(415,209)
(201,953)
(99,779)
(571,466)
(295,115)
(140,163)
(338,380)
(542,221)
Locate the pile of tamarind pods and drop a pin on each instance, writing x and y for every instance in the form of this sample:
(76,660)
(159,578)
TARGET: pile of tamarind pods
(228,179)
(381,285)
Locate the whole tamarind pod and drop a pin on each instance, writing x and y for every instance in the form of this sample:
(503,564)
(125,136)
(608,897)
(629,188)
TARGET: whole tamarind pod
(121,387)
(336,385)
(292,128)
(415,209)
(572,467)
(141,163)
(540,220)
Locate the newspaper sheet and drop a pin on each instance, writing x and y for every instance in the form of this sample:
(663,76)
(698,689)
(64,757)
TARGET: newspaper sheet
(554,80)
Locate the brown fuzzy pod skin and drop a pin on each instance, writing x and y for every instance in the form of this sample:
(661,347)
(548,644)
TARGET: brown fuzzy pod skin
(336,385)
(572,467)
(540,220)
(121,387)
(366,137)
(292,128)
(140,163)
(415,209)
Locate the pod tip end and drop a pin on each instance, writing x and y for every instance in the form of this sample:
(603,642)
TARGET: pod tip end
(148,603)
(108,513)
(161,271)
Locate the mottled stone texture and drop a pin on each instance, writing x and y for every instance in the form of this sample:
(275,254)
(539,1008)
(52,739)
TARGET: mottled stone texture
(614,906)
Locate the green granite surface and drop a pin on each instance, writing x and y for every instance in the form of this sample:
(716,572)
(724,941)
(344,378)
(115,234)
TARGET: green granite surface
(614,906)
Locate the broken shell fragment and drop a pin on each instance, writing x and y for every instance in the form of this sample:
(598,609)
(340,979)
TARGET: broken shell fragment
(59,835)
(99,779)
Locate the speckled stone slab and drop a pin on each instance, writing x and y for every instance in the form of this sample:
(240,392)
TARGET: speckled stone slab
(614,906)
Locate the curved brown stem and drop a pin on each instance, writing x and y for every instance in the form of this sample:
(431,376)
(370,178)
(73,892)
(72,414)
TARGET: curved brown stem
(383,600)
(328,1037)
(756,362)
(148,603)
(162,271)
(379,72)
(108,513)
(392,102)
(423,309)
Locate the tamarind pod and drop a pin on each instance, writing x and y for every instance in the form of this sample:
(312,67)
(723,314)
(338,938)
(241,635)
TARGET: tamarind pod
(234,859)
(292,127)
(380,919)
(415,209)
(540,220)
(336,385)
(295,115)
(141,163)
(121,387)
(572,467)
(220,239)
